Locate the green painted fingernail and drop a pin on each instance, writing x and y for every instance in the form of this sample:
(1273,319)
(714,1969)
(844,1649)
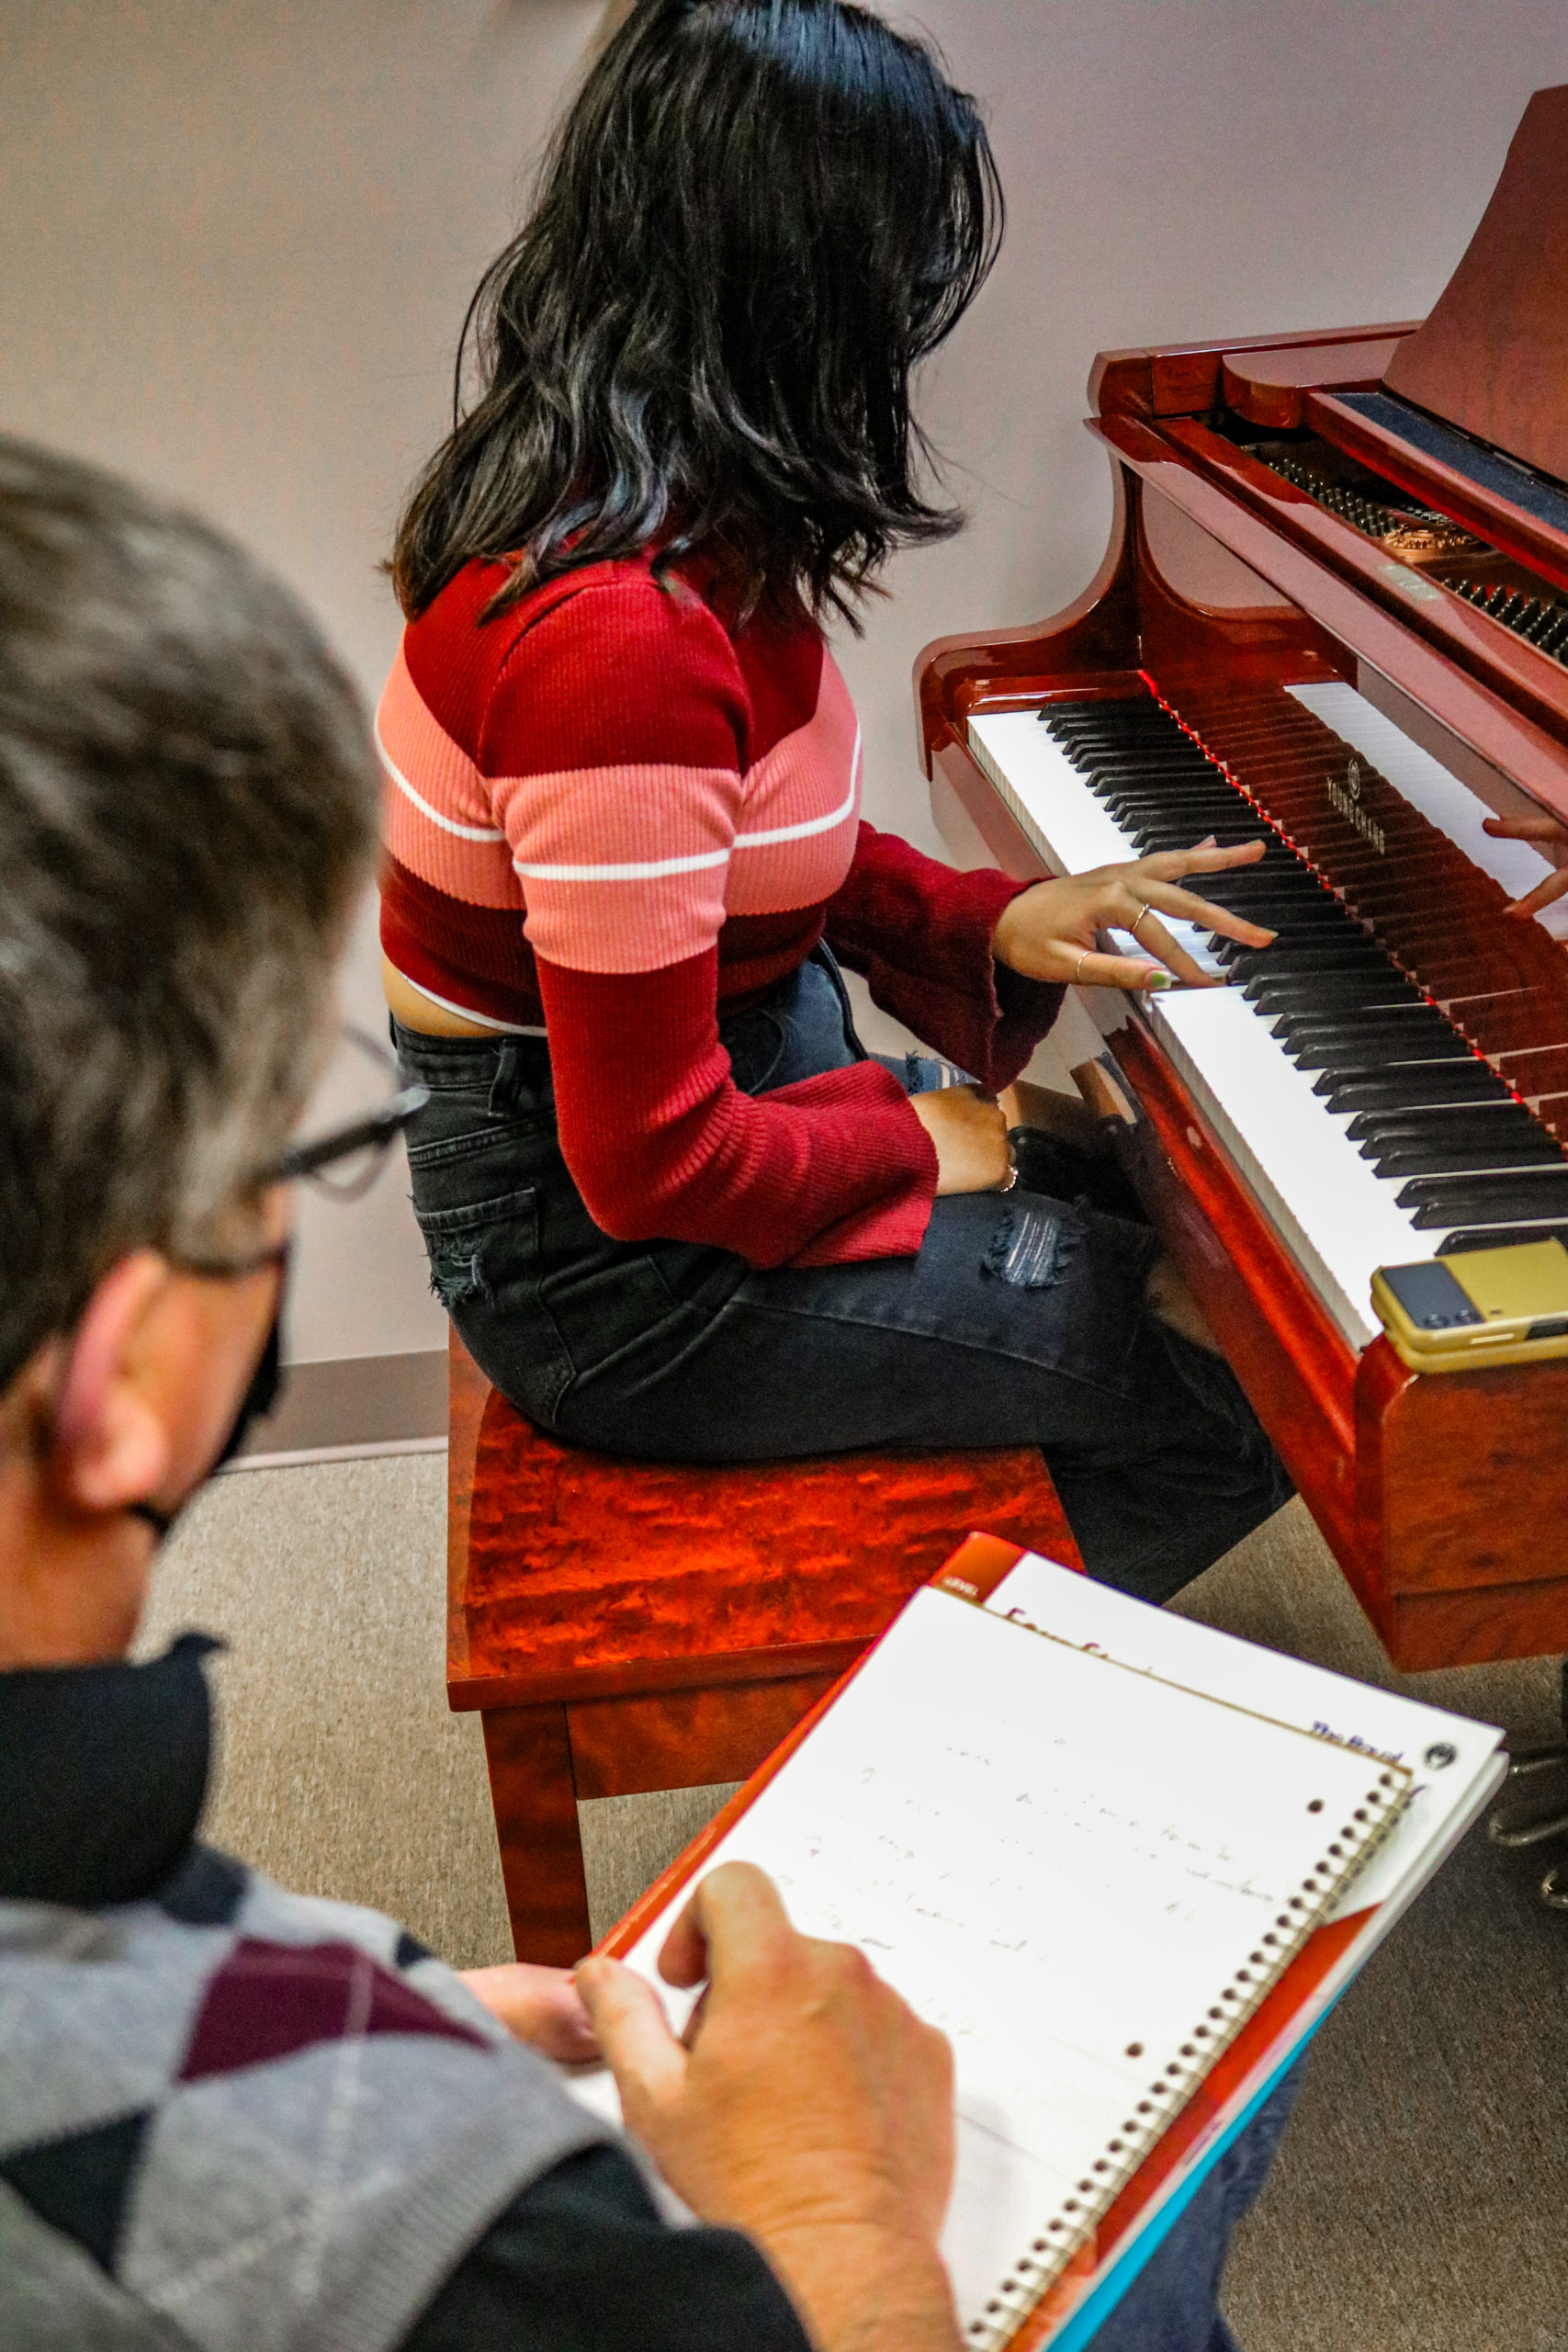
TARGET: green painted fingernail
(1157,981)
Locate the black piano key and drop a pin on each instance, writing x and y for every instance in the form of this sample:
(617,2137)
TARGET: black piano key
(1282,875)
(1142,777)
(1482,1122)
(1086,710)
(1247,884)
(1136,795)
(1383,1061)
(1157,735)
(1295,954)
(1133,763)
(1375,1009)
(1281,913)
(1410,1085)
(1195,819)
(1130,806)
(1221,818)
(1200,808)
(1329,993)
(1500,1236)
(1322,932)
(1445,1201)
(1467,1160)
(1299,931)
(1288,906)
(1404,1031)
(1170,833)
(1374,1026)
(1342,1058)
(1152,838)
(1278,877)
(1318,934)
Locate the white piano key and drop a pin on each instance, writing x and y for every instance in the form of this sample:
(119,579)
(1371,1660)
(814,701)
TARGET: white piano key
(1436,791)
(1042,789)
(1038,783)
(1340,1220)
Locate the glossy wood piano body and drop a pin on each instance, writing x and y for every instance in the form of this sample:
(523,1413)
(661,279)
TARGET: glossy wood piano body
(1272,532)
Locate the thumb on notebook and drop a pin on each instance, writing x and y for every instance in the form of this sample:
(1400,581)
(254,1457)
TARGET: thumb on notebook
(632,2030)
(808,2105)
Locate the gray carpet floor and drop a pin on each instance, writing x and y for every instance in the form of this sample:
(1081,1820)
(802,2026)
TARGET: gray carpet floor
(1421,2201)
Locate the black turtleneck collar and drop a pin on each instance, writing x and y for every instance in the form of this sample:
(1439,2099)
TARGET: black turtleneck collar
(103,1776)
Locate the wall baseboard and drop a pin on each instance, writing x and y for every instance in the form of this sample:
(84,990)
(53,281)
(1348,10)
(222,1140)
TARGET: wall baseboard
(349,1407)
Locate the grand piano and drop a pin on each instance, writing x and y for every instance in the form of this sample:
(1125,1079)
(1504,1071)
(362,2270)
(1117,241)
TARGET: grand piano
(1333,612)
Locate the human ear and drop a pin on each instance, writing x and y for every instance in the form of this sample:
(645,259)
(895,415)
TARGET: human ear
(112,1446)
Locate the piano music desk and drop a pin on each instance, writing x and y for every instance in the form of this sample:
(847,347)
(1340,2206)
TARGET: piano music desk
(623,1626)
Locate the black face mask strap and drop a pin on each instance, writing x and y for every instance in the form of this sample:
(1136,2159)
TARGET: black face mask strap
(256,1402)
(261,1396)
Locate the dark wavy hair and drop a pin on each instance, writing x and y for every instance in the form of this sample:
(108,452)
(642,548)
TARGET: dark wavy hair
(755,219)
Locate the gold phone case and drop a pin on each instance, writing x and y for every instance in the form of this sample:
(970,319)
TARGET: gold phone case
(1520,1295)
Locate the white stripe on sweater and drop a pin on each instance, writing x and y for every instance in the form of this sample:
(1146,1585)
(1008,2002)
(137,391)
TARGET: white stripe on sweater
(810,825)
(447,824)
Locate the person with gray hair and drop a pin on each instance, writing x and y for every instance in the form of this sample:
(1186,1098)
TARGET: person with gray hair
(232,2117)
(229,2116)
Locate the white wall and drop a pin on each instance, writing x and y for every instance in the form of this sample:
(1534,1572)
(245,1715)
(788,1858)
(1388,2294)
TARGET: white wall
(237,238)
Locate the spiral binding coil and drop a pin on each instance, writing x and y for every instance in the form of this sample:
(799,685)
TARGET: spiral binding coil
(1036,2271)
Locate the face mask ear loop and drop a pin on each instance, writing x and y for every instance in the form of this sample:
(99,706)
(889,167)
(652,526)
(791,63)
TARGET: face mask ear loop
(258,1401)
(159,1521)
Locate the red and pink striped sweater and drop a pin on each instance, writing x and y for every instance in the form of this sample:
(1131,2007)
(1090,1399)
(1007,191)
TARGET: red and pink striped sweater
(609,814)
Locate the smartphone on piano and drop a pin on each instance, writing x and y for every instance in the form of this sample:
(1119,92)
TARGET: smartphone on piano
(1480,1307)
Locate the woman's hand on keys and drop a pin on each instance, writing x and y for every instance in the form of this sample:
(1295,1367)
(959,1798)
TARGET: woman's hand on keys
(1546,834)
(1049,933)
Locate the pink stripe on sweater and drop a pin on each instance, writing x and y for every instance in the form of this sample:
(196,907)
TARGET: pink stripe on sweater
(436,815)
(623,869)
(810,776)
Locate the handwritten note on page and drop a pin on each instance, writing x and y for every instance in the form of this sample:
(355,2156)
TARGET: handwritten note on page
(1454,1762)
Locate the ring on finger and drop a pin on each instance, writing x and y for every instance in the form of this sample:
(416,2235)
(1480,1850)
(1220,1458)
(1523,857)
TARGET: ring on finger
(1083,959)
(1138,918)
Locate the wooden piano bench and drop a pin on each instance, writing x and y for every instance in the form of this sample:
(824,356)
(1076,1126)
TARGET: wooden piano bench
(623,1626)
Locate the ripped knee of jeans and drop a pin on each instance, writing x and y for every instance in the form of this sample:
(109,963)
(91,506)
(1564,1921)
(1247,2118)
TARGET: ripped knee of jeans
(1030,1246)
(458,1274)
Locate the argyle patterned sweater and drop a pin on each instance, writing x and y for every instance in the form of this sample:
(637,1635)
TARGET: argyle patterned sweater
(612,816)
(232,2117)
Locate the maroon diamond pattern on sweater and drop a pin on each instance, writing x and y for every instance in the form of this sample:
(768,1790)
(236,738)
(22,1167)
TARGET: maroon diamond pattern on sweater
(268,2000)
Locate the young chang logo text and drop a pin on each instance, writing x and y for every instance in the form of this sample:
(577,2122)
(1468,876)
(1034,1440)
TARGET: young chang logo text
(1346,799)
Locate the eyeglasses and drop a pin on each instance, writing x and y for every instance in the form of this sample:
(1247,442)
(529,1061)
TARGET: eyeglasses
(359,1148)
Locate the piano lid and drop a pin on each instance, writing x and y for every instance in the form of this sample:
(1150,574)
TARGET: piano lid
(1493,357)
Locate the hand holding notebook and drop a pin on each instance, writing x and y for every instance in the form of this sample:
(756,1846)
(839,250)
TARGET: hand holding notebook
(1111,1855)
(813,2111)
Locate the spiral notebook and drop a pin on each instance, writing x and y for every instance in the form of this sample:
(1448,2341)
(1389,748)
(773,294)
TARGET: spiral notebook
(1100,1881)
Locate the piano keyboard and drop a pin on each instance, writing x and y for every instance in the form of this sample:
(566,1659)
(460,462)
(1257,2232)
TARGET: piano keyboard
(1368,1129)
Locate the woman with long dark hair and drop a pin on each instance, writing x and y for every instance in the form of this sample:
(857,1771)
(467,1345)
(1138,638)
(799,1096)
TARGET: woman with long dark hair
(674,1209)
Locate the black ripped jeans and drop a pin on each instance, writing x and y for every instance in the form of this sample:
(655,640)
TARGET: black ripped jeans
(1020,1321)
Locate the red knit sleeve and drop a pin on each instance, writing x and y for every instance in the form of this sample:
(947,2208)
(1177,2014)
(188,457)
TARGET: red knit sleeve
(663,1145)
(613,748)
(920,933)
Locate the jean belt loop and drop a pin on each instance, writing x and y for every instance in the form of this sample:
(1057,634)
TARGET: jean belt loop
(822,955)
(509,1077)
